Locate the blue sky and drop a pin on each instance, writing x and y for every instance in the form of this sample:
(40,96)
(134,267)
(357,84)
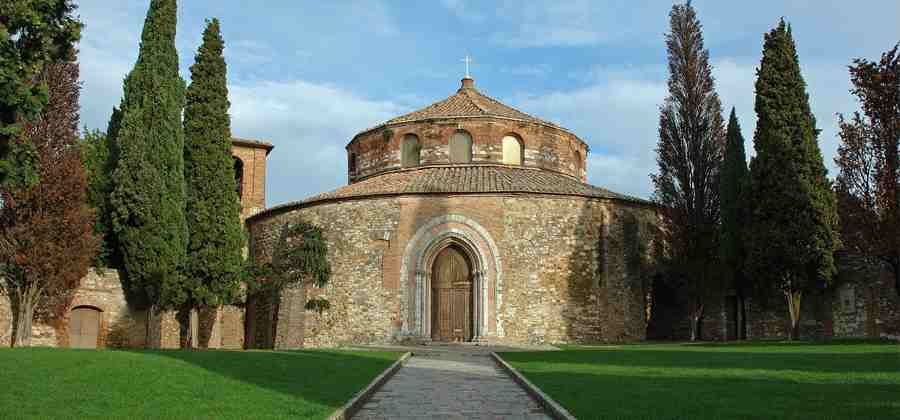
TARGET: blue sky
(308,75)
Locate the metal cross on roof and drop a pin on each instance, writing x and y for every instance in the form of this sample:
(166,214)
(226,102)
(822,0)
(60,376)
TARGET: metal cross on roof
(467,60)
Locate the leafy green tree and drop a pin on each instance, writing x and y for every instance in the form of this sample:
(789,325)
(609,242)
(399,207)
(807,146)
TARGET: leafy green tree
(793,228)
(214,252)
(301,257)
(733,201)
(148,196)
(689,155)
(33,33)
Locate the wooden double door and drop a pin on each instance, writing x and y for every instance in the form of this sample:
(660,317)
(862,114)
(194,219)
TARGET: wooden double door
(84,328)
(451,297)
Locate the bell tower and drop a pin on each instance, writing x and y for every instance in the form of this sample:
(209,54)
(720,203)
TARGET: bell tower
(250,173)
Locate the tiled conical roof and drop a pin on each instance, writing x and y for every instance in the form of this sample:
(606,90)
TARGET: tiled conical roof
(463,179)
(467,102)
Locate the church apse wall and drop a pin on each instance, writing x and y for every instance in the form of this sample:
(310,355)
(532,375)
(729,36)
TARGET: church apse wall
(558,272)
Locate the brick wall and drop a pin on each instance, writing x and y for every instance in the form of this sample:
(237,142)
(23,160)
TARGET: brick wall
(545,147)
(253,199)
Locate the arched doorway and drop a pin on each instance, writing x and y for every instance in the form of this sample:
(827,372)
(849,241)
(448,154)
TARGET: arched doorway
(452,297)
(84,328)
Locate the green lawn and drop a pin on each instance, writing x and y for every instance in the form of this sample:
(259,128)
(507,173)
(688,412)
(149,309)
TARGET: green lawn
(720,381)
(56,383)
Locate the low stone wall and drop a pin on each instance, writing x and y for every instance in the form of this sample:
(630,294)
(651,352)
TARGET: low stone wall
(863,303)
(120,325)
(123,326)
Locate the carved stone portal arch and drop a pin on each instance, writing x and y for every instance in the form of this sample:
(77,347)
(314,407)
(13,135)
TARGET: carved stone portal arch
(416,271)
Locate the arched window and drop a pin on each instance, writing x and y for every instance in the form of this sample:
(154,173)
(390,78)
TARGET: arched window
(461,147)
(239,176)
(410,151)
(351,163)
(512,151)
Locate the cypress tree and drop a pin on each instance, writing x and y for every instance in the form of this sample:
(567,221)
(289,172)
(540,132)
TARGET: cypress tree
(734,178)
(214,250)
(689,155)
(148,198)
(792,235)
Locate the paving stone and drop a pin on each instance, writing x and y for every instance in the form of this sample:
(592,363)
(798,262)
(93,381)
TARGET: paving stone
(451,385)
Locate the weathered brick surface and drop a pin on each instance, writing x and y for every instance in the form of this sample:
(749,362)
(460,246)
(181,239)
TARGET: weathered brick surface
(565,273)
(545,147)
(253,188)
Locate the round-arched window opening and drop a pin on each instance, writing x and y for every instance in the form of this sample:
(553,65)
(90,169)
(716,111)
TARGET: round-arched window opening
(84,327)
(239,177)
(461,147)
(410,151)
(512,150)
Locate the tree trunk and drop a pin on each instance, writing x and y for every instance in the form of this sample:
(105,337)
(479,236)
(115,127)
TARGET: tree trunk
(741,319)
(696,315)
(793,300)
(148,336)
(24,318)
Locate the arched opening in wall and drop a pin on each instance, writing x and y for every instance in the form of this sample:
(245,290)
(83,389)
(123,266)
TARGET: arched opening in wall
(239,177)
(351,163)
(452,303)
(460,147)
(410,151)
(512,150)
(84,327)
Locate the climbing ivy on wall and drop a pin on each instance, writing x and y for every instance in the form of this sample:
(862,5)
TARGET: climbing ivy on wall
(301,256)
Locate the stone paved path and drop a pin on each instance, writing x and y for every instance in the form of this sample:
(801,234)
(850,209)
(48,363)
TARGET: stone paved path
(454,384)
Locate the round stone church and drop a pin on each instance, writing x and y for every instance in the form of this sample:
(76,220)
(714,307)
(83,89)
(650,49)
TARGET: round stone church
(465,221)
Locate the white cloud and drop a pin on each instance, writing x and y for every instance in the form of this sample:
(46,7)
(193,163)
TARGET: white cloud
(618,118)
(309,124)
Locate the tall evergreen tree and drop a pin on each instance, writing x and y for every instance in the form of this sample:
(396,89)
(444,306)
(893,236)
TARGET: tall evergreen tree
(689,155)
(733,195)
(148,197)
(98,165)
(793,230)
(215,257)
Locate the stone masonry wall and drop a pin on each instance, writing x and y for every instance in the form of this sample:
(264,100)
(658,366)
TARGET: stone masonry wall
(545,147)
(362,309)
(573,269)
(120,325)
(863,303)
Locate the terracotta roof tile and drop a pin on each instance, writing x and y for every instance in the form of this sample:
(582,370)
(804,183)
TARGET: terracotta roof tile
(467,102)
(465,179)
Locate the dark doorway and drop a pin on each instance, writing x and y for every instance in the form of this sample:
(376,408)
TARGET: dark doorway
(451,294)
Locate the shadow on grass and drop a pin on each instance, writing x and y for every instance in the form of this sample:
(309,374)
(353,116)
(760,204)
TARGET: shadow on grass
(327,377)
(887,361)
(598,395)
